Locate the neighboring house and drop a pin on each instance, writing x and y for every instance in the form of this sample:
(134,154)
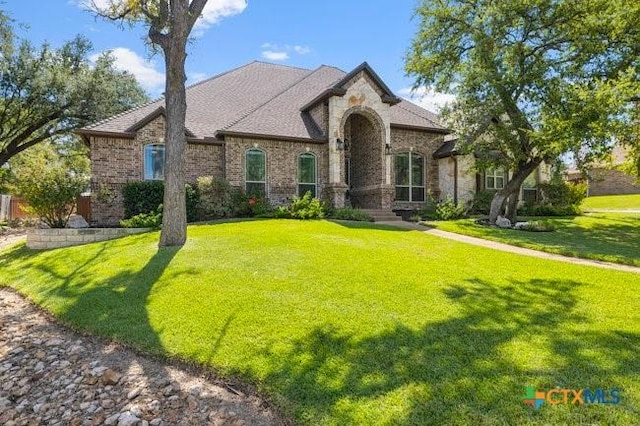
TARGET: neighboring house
(459,179)
(608,179)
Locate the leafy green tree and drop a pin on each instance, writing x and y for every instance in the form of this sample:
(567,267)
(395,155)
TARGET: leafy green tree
(533,79)
(47,93)
(50,183)
(170,22)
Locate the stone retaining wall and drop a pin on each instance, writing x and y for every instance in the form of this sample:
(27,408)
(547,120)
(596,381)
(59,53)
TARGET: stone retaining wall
(54,238)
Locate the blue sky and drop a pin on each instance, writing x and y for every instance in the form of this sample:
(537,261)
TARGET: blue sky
(234,32)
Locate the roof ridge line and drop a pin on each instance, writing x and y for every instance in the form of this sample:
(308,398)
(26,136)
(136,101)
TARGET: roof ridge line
(213,77)
(120,114)
(399,105)
(334,67)
(277,95)
(136,108)
(282,65)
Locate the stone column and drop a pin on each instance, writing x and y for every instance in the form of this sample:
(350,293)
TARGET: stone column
(336,194)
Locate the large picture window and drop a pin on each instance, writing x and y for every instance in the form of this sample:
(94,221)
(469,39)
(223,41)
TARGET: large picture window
(256,172)
(154,162)
(494,179)
(409,172)
(307,174)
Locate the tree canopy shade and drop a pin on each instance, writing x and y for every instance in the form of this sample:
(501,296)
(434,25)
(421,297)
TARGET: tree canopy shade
(533,79)
(170,22)
(47,93)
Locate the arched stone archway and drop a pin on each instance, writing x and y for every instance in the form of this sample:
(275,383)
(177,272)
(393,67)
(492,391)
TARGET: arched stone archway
(364,135)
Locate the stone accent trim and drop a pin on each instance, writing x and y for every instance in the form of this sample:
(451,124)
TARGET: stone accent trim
(39,239)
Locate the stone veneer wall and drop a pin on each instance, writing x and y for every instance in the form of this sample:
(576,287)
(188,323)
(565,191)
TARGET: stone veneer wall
(116,161)
(282,165)
(362,97)
(466,177)
(39,239)
(612,182)
(422,142)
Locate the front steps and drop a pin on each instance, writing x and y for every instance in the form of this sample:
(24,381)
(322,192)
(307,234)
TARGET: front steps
(383,215)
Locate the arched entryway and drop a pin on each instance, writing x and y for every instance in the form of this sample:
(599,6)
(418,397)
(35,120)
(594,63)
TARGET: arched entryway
(364,158)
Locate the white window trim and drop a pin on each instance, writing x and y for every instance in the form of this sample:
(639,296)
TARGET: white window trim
(315,173)
(494,173)
(246,182)
(411,185)
(144,160)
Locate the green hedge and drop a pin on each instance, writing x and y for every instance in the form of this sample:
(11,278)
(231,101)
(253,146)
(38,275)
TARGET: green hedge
(142,197)
(145,197)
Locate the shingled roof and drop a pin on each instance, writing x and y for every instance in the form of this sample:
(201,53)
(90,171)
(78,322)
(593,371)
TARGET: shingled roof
(260,99)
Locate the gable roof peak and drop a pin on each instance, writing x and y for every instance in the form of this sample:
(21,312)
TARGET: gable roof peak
(388,96)
(338,89)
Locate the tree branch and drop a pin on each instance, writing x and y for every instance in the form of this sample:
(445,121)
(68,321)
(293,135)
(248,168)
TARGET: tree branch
(195,11)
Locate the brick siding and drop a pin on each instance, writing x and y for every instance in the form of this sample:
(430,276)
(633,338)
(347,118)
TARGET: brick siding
(115,161)
(612,182)
(282,165)
(424,143)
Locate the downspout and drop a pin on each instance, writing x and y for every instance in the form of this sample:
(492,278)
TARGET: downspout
(455,179)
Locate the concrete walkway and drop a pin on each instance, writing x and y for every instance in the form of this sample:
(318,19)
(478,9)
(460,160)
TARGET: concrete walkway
(511,249)
(617,211)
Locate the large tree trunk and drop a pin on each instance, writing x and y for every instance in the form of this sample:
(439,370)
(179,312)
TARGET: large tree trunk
(497,205)
(510,191)
(512,207)
(174,219)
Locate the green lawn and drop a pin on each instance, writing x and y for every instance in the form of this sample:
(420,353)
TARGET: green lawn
(613,202)
(608,237)
(356,324)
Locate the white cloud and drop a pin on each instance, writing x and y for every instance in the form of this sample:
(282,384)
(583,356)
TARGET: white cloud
(144,70)
(301,50)
(213,12)
(276,52)
(195,77)
(427,98)
(273,55)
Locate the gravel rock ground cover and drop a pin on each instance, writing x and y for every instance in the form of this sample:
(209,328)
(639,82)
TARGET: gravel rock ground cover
(51,375)
(10,239)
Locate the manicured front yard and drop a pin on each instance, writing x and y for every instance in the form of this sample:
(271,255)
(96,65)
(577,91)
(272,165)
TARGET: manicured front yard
(607,237)
(356,324)
(612,202)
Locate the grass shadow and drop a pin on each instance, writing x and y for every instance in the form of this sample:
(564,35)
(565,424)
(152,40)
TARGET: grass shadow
(370,225)
(469,369)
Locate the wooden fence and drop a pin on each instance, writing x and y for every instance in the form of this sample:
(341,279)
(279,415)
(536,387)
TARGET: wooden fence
(83,207)
(17,204)
(15,209)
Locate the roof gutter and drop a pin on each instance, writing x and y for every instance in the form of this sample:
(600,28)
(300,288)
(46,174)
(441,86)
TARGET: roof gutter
(333,91)
(220,134)
(86,134)
(410,127)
